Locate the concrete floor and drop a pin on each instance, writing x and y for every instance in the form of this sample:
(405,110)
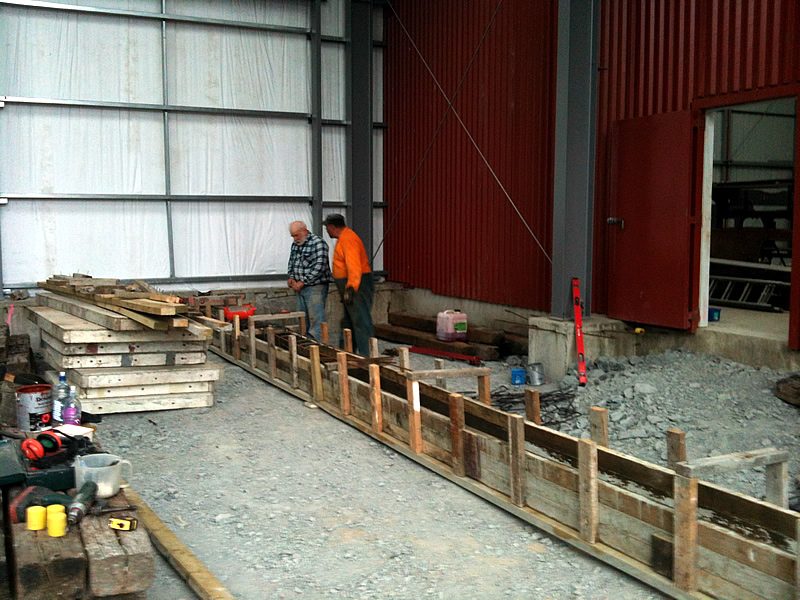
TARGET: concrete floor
(769,325)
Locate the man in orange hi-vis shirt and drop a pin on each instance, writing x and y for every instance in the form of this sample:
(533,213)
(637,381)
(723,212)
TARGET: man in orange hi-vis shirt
(353,278)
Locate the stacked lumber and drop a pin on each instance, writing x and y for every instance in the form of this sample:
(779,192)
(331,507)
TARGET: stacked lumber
(118,363)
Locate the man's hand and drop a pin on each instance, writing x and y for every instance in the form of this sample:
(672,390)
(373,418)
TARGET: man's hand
(349,294)
(291,282)
(299,285)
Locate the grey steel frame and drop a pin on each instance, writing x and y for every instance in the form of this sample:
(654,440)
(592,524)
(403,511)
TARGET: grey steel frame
(314,34)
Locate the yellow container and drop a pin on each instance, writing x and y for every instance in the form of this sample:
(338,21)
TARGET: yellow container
(36,517)
(54,509)
(57,524)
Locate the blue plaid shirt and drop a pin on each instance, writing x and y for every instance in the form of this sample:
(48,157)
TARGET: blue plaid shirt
(308,262)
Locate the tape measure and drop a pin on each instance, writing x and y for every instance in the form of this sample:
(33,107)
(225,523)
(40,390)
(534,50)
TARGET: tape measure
(123,523)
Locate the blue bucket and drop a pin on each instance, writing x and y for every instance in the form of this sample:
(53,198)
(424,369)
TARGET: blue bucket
(518,376)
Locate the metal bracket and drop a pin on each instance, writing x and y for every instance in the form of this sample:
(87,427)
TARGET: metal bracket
(616,221)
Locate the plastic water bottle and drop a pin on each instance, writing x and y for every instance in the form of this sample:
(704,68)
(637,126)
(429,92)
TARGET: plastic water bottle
(60,395)
(71,411)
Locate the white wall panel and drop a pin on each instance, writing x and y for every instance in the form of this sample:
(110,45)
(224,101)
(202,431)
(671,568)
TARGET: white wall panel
(377,85)
(333,17)
(103,239)
(139,5)
(377,23)
(52,54)
(334,164)
(50,150)
(238,68)
(290,13)
(218,155)
(377,165)
(233,238)
(333,78)
(377,239)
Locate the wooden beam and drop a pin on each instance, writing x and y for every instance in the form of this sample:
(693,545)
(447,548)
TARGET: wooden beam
(403,358)
(676,446)
(344,383)
(288,316)
(348,340)
(778,484)
(516,458)
(587,490)
(736,461)
(303,325)
(414,418)
(251,334)
(324,333)
(293,361)
(376,401)
(373,347)
(438,364)
(237,331)
(598,424)
(222,337)
(449,373)
(533,409)
(316,374)
(457,433)
(684,559)
(485,389)
(271,358)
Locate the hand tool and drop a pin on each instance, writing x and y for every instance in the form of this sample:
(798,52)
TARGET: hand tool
(578,306)
(123,523)
(100,509)
(82,502)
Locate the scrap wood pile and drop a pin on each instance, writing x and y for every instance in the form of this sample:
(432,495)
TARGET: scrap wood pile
(125,348)
(483,343)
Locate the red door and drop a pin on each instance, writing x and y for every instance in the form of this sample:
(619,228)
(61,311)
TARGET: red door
(652,233)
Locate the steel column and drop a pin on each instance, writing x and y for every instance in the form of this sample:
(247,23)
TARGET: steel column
(165,121)
(360,114)
(573,186)
(316,115)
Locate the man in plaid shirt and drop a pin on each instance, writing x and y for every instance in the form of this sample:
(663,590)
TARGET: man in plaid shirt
(309,274)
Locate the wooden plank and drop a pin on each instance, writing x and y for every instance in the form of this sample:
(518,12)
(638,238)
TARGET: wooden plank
(116,377)
(212,323)
(489,414)
(347,334)
(778,484)
(122,348)
(485,389)
(149,321)
(414,423)
(251,335)
(373,347)
(684,559)
(533,409)
(403,358)
(151,307)
(293,360)
(413,337)
(743,576)
(587,490)
(62,362)
(516,458)
(89,312)
(438,363)
(598,423)
(457,433)
(676,446)
(145,403)
(375,398)
(193,571)
(47,567)
(449,373)
(140,390)
(736,461)
(324,333)
(316,374)
(344,383)
(237,332)
(273,369)
(646,474)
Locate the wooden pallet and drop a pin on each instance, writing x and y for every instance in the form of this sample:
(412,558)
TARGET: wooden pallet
(683,536)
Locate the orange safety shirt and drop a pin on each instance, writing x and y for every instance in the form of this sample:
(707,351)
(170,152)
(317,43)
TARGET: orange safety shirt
(350,258)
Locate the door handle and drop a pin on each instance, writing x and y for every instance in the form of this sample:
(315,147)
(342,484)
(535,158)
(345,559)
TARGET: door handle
(616,221)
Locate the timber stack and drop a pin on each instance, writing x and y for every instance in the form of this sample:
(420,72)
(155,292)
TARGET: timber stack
(125,348)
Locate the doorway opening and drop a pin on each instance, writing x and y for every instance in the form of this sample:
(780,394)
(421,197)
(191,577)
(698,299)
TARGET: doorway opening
(748,189)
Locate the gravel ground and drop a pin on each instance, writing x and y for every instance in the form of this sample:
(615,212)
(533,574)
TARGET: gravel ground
(282,501)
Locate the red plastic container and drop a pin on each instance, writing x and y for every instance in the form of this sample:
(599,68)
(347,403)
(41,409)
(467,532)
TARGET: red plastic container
(243,312)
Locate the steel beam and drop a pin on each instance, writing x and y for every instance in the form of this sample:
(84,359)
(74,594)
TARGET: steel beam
(316,116)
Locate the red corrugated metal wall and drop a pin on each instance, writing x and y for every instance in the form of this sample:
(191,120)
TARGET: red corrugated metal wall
(662,56)
(449,227)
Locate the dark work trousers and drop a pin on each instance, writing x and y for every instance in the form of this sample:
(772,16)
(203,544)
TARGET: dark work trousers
(358,315)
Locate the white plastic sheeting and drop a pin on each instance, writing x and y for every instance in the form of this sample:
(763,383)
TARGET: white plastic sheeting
(103,238)
(289,13)
(334,163)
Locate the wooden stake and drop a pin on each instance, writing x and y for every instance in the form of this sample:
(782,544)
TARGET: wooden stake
(348,340)
(438,363)
(414,419)
(251,334)
(516,458)
(293,361)
(676,446)
(222,336)
(587,490)
(303,328)
(598,425)
(684,557)
(533,409)
(373,347)
(323,333)
(485,389)
(271,358)
(375,398)
(457,433)
(344,383)
(778,484)
(207,310)
(237,350)
(403,359)
(316,374)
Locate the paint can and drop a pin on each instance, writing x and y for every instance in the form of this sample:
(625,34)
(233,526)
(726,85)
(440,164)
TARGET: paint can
(34,406)
(536,373)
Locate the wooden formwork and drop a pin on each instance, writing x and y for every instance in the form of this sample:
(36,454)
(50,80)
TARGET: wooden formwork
(686,537)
